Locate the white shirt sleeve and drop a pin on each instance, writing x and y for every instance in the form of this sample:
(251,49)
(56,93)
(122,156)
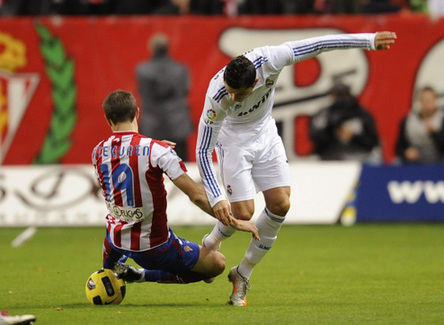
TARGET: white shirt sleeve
(294,51)
(165,158)
(209,126)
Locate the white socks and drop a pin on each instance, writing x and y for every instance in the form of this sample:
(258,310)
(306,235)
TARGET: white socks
(219,233)
(269,225)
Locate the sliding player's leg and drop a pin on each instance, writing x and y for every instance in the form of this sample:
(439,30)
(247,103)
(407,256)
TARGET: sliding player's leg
(180,261)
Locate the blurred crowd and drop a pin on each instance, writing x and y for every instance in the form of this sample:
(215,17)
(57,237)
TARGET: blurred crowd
(210,7)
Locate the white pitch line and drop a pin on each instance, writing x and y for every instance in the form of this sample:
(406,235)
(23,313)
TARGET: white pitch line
(24,236)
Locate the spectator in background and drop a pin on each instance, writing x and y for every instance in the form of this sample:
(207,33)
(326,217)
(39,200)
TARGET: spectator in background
(263,7)
(421,134)
(380,6)
(344,130)
(163,87)
(174,7)
(337,6)
(209,7)
(291,7)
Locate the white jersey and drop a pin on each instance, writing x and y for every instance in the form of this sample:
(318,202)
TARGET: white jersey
(130,169)
(238,123)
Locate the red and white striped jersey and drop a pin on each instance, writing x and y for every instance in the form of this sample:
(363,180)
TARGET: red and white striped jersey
(130,167)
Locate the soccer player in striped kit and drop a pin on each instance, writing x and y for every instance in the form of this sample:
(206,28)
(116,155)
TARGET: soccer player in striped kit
(237,122)
(130,168)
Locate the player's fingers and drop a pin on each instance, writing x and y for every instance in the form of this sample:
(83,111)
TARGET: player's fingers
(223,217)
(383,40)
(255,233)
(170,143)
(386,34)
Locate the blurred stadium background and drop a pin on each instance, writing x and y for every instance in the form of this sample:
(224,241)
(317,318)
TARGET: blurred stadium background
(56,70)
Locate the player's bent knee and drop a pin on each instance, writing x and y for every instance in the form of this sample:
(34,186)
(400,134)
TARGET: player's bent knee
(211,263)
(243,210)
(218,263)
(280,208)
(243,216)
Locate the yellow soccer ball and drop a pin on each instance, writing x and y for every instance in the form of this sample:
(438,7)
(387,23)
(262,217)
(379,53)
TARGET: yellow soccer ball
(103,288)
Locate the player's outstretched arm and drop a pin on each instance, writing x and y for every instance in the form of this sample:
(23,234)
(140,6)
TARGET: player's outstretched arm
(248,226)
(384,39)
(198,196)
(195,192)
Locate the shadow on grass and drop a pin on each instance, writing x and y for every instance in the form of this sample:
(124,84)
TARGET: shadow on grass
(131,305)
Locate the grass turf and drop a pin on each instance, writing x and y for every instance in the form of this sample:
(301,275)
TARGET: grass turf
(365,274)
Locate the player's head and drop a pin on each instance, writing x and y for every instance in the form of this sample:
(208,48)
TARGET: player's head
(427,98)
(158,45)
(120,106)
(240,78)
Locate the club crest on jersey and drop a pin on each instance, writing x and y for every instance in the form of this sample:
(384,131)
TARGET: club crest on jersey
(229,190)
(187,249)
(269,83)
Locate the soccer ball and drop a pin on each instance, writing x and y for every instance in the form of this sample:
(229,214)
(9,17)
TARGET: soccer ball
(103,288)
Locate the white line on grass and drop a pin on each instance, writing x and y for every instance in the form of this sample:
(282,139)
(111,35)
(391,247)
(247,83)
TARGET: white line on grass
(24,236)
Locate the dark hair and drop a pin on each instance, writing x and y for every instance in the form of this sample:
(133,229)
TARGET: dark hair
(340,90)
(120,106)
(428,88)
(240,73)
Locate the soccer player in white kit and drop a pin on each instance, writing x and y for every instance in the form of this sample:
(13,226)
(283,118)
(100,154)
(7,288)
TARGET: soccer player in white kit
(237,121)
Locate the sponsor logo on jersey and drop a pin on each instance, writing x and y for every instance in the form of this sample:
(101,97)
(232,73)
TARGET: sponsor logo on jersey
(125,214)
(257,105)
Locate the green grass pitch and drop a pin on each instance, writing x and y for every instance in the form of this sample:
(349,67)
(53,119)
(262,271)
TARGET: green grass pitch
(365,274)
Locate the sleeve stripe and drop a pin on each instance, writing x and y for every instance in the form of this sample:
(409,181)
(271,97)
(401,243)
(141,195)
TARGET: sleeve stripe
(259,62)
(330,44)
(220,94)
(206,164)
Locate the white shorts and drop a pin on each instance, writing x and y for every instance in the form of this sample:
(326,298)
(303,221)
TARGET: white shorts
(260,166)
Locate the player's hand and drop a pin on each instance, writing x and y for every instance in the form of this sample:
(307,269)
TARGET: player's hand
(222,212)
(170,143)
(383,40)
(244,225)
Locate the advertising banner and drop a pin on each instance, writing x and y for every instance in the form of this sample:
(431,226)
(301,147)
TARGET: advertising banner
(401,193)
(56,71)
(69,195)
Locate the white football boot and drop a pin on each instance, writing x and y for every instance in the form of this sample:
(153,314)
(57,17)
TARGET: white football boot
(240,287)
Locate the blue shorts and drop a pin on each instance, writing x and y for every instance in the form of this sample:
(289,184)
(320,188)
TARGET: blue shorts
(176,255)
